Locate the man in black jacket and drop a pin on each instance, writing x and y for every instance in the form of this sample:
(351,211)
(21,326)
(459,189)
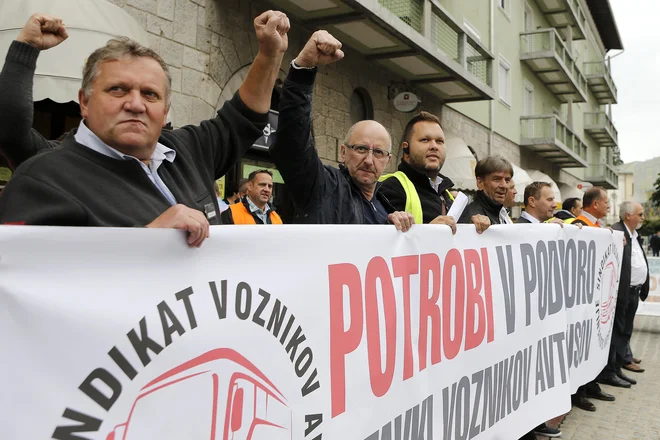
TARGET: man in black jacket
(493,173)
(418,187)
(118,169)
(324,194)
(539,200)
(633,286)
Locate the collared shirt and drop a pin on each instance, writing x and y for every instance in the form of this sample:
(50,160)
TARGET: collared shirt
(529,217)
(84,136)
(591,218)
(255,210)
(638,267)
(504,217)
(435,184)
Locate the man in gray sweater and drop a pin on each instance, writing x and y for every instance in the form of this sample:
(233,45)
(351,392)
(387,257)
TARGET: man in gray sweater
(118,168)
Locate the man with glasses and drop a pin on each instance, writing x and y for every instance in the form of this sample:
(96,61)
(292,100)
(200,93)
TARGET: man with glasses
(323,194)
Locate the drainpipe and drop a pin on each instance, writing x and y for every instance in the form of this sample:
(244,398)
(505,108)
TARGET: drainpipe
(491,109)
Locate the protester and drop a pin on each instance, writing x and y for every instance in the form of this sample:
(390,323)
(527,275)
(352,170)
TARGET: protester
(634,284)
(539,199)
(595,204)
(98,177)
(324,194)
(571,208)
(494,174)
(418,187)
(510,199)
(254,207)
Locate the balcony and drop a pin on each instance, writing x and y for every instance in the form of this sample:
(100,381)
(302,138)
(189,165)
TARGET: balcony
(601,129)
(416,40)
(603,175)
(563,14)
(550,138)
(547,55)
(601,82)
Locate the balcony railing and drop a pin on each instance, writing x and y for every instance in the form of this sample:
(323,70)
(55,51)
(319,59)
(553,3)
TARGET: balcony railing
(551,138)
(563,13)
(602,174)
(547,55)
(601,82)
(600,127)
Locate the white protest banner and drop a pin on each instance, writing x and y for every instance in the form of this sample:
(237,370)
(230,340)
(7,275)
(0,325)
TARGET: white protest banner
(298,332)
(652,304)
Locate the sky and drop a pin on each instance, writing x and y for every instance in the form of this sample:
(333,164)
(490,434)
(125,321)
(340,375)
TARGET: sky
(636,74)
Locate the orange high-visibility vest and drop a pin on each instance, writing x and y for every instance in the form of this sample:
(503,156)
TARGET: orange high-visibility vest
(242,216)
(587,221)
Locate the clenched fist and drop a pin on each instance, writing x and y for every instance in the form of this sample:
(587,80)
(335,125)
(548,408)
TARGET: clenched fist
(322,48)
(271,28)
(43,31)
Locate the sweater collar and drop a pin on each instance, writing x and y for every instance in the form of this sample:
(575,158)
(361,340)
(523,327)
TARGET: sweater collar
(489,204)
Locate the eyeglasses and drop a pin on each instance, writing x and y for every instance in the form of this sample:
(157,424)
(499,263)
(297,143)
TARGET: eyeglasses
(363,150)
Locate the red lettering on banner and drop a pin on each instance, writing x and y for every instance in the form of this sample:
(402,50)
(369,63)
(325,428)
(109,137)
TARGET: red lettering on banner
(429,309)
(404,268)
(380,380)
(461,322)
(343,341)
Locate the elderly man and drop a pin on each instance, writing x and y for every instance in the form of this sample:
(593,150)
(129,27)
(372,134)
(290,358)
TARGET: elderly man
(118,168)
(633,285)
(494,174)
(254,207)
(418,187)
(324,194)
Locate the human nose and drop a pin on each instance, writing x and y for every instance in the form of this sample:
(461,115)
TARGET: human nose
(134,102)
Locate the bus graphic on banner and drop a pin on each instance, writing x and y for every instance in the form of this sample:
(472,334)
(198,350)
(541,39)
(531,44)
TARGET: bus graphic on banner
(219,395)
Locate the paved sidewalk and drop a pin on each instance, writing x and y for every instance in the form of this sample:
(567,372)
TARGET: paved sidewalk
(634,415)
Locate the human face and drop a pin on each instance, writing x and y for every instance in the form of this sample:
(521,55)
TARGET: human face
(365,169)
(636,219)
(495,185)
(511,195)
(260,189)
(544,207)
(601,206)
(127,107)
(427,148)
(577,210)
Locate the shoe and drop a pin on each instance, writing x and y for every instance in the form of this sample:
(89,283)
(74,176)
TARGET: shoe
(583,403)
(636,360)
(601,395)
(620,375)
(547,431)
(633,367)
(613,380)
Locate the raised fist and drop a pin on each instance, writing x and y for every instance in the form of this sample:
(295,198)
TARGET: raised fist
(43,31)
(271,28)
(322,48)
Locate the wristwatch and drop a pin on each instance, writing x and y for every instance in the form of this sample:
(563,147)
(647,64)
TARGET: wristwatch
(297,67)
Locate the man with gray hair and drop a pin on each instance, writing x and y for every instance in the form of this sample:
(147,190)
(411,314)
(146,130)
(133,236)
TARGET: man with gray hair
(494,174)
(119,168)
(633,286)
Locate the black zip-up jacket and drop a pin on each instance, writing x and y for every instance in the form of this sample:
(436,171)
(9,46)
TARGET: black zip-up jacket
(321,194)
(626,260)
(72,185)
(482,205)
(432,201)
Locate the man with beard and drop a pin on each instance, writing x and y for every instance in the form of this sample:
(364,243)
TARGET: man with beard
(254,207)
(418,187)
(494,174)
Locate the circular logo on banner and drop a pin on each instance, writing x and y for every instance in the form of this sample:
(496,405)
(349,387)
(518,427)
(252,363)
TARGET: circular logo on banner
(406,102)
(606,291)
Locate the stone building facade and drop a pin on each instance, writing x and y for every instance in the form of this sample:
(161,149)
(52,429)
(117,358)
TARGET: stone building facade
(209,45)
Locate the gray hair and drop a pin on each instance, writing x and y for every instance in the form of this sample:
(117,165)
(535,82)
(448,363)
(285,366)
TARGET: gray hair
(116,49)
(492,164)
(627,207)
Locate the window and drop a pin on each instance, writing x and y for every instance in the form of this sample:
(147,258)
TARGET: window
(504,78)
(528,18)
(503,6)
(528,99)
(361,106)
